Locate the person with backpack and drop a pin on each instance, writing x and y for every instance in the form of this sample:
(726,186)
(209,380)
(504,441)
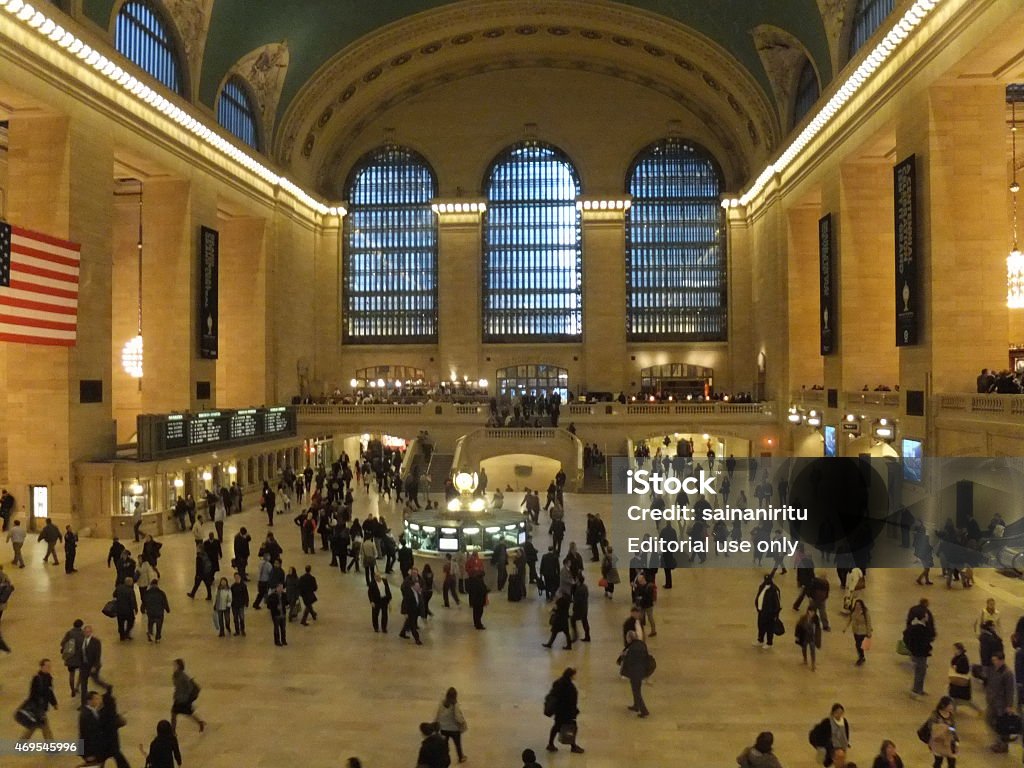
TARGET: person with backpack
(31,715)
(637,665)
(831,735)
(186,691)
(562,704)
(939,733)
(760,755)
(71,653)
(918,636)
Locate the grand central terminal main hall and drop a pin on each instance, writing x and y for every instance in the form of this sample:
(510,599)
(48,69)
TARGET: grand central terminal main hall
(332,332)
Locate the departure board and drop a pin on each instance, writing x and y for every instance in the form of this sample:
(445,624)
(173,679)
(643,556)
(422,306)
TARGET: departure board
(179,433)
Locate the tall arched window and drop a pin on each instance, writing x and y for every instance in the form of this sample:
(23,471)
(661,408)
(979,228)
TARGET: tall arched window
(236,112)
(807,92)
(867,18)
(390,250)
(532,258)
(143,36)
(675,246)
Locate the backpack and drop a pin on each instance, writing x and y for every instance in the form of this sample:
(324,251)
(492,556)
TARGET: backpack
(549,703)
(68,651)
(924,733)
(820,734)
(194,690)
(652,665)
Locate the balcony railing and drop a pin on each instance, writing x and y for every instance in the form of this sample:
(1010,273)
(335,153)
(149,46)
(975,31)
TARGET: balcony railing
(1000,406)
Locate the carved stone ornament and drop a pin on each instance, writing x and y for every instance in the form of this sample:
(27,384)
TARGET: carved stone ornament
(833,15)
(782,56)
(192,18)
(265,68)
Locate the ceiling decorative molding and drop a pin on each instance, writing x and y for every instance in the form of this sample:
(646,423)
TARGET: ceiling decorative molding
(410,55)
(834,14)
(783,57)
(192,18)
(265,69)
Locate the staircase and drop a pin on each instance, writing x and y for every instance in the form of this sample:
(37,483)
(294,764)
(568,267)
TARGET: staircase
(593,482)
(438,470)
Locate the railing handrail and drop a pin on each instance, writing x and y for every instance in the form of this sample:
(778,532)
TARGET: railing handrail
(989,404)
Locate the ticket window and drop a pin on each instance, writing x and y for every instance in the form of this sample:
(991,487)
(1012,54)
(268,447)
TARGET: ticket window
(134,491)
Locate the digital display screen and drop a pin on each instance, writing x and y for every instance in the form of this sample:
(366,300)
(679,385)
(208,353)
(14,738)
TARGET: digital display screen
(830,441)
(275,420)
(522,538)
(912,452)
(176,433)
(205,429)
(448,545)
(243,424)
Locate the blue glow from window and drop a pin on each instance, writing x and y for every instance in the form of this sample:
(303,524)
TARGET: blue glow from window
(236,113)
(141,35)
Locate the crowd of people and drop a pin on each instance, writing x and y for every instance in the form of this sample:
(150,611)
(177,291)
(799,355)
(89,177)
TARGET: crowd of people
(1002,382)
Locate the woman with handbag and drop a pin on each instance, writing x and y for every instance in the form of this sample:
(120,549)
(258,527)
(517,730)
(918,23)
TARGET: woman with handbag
(960,674)
(860,622)
(562,703)
(942,737)
(452,721)
(610,572)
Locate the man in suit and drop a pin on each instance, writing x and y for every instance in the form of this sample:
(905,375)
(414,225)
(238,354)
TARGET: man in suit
(277,603)
(92,660)
(127,608)
(90,729)
(379,593)
(241,546)
(213,551)
(411,609)
(433,748)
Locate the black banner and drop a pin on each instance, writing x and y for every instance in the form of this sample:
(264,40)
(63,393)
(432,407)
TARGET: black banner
(208,257)
(905,214)
(827,266)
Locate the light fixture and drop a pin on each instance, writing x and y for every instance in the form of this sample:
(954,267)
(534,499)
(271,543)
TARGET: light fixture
(604,205)
(443,208)
(492,529)
(232,470)
(207,476)
(471,531)
(137,489)
(477,505)
(1015,261)
(179,483)
(813,419)
(429,529)
(884,429)
(794,416)
(380,383)
(454,505)
(353,383)
(465,482)
(482,383)
(131,352)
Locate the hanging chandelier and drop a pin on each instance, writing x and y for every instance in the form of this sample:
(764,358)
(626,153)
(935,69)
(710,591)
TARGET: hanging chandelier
(1015,261)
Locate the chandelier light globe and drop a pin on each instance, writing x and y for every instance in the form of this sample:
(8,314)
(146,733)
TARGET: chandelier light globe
(207,476)
(454,505)
(477,505)
(179,483)
(465,482)
(131,357)
(1015,280)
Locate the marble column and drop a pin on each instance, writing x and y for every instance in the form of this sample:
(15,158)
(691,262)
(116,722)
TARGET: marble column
(604,301)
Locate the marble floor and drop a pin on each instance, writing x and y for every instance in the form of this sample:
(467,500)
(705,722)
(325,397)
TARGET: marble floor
(340,690)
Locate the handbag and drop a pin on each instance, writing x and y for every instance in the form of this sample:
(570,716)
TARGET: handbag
(779,628)
(110,609)
(865,644)
(901,648)
(958,679)
(1009,724)
(26,715)
(603,583)
(567,733)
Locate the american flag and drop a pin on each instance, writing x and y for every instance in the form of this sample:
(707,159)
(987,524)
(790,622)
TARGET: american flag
(38,288)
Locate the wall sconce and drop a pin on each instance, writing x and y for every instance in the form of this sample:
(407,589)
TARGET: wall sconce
(207,476)
(814,419)
(137,488)
(179,483)
(482,383)
(232,470)
(353,383)
(884,430)
(794,416)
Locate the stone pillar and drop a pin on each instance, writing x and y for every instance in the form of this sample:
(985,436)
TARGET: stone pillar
(604,301)
(61,183)
(459,246)
(126,393)
(202,212)
(242,358)
(804,351)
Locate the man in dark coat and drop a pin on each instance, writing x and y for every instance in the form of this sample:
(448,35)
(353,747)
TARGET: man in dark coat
(562,703)
(155,606)
(433,748)
(549,570)
(241,549)
(307,591)
(51,535)
(476,590)
(636,667)
(768,603)
(127,607)
(918,637)
(411,608)
(277,604)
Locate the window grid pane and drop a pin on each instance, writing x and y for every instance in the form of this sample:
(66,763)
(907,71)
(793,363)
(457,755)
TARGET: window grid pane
(532,255)
(390,251)
(866,19)
(675,247)
(807,92)
(142,37)
(235,112)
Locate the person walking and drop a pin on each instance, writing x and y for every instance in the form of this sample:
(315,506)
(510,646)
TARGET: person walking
(368,554)
(918,636)
(70,550)
(768,604)
(155,606)
(610,571)
(92,662)
(163,749)
(291,592)
(203,572)
(644,597)
(277,604)
(16,536)
(241,549)
(307,591)
(960,674)
(989,614)
(452,722)
(549,570)
(636,666)
(860,622)
(581,609)
(831,735)
(51,535)
(127,606)
(476,591)
(71,653)
(137,522)
(760,755)
(379,594)
(90,730)
(942,734)
(562,704)
(887,756)
(999,692)
(31,715)
(449,581)
(239,602)
(263,581)
(433,749)
(222,608)
(412,607)
(186,691)
(808,635)
(559,620)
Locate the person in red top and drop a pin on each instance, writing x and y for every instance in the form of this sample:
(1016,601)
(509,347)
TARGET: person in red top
(474,565)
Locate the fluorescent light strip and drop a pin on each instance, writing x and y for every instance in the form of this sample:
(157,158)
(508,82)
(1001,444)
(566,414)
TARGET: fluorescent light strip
(603,205)
(442,208)
(917,13)
(46,27)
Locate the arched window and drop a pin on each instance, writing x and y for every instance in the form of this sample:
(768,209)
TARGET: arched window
(235,111)
(867,18)
(807,92)
(390,250)
(144,38)
(675,246)
(532,259)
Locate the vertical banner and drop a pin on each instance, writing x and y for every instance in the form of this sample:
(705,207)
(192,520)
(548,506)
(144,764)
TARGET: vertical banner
(827,267)
(905,213)
(209,241)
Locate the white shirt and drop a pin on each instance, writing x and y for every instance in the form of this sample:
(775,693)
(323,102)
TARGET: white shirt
(17,535)
(995,618)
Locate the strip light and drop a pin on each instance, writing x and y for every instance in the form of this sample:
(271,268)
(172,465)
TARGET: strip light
(440,208)
(603,205)
(917,13)
(46,27)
